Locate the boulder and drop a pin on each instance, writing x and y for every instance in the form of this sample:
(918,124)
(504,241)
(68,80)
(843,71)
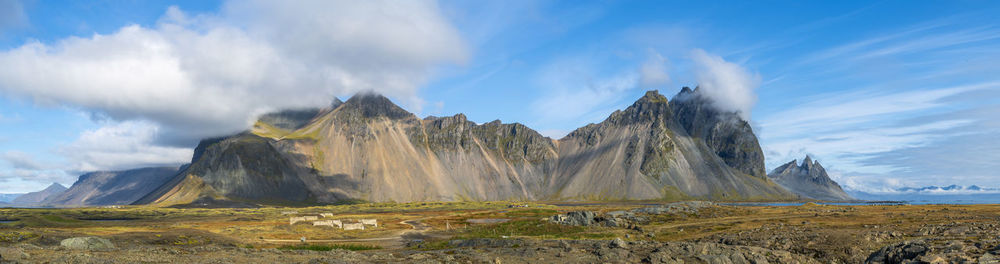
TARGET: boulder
(581,218)
(904,252)
(13,254)
(87,243)
(618,243)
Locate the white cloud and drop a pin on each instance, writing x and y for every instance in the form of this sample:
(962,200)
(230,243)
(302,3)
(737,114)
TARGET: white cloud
(20,180)
(871,137)
(576,93)
(729,86)
(123,145)
(653,72)
(21,160)
(200,76)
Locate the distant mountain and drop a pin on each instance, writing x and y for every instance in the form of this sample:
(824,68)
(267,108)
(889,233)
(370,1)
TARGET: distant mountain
(948,189)
(37,198)
(112,187)
(9,197)
(370,149)
(808,180)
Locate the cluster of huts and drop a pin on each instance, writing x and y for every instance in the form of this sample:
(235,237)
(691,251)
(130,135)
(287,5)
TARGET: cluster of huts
(356,224)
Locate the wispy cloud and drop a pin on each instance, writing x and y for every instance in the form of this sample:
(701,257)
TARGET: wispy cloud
(576,92)
(857,134)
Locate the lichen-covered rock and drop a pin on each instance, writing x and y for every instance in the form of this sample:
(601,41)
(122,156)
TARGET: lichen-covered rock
(12,254)
(87,243)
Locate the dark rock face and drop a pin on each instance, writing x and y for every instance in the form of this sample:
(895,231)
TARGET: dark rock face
(369,105)
(645,152)
(371,149)
(809,180)
(113,187)
(729,136)
(249,167)
(38,198)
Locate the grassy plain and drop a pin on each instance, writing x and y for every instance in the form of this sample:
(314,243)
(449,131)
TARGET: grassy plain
(819,230)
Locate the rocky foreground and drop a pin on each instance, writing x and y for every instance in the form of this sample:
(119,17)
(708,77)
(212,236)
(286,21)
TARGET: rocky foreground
(464,251)
(682,232)
(950,243)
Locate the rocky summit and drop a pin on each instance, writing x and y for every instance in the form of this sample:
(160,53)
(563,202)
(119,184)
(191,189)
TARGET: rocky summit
(809,180)
(370,149)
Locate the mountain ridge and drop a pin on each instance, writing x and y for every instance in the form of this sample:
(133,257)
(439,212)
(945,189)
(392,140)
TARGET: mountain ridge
(368,148)
(38,198)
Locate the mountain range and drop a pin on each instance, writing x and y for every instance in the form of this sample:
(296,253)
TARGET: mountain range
(948,189)
(370,149)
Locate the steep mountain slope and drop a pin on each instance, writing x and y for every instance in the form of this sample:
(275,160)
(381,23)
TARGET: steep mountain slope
(645,152)
(730,137)
(37,198)
(371,149)
(808,180)
(112,187)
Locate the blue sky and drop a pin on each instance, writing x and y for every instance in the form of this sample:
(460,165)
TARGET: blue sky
(885,94)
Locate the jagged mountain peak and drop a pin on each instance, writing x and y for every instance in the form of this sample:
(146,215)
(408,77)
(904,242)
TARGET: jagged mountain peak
(687,94)
(651,107)
(807,162)
(808,180)
(725,132)
(371,105)
(653,96)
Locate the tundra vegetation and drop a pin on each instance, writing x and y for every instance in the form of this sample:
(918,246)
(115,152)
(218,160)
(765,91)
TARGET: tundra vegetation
(512,232)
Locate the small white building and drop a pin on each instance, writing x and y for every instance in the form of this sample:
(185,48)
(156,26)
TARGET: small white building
(354,226)
(371,222)
(326,215)
(330,223)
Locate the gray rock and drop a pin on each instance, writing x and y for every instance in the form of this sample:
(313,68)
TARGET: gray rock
(87,243)
(14,254)
(618,243)
(581,218)
(904,252)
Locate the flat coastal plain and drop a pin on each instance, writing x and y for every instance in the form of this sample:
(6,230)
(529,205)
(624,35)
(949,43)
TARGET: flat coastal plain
(508,232)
